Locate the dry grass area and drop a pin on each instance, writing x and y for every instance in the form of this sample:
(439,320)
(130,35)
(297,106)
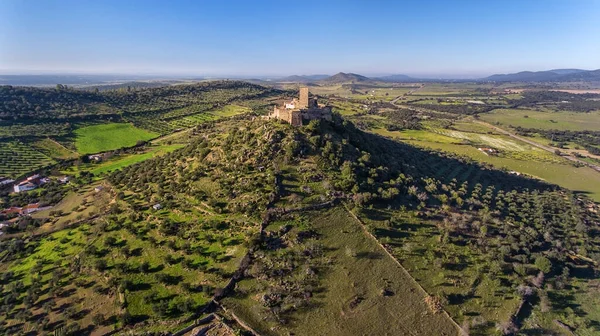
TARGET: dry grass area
(364,291)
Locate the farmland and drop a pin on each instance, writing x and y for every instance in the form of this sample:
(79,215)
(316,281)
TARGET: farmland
(105,137)
(128,160)
(17,158)
(562,120)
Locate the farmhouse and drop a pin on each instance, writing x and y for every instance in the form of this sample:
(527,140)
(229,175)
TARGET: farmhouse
(30,183)
(11,210)
(488,151)
(96,157)
(303,108)
(26,210)
(157,206)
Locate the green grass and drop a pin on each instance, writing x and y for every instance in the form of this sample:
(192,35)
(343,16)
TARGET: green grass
(53,149)
(417,244)
(362,273)
(230,110)
(570,121)
(583,179)
(421,135)
(128,160)
(105,137)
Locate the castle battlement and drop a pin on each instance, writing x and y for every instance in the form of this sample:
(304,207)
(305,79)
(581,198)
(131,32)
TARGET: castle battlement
(299,109)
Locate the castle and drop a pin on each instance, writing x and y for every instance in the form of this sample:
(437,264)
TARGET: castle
(297,110)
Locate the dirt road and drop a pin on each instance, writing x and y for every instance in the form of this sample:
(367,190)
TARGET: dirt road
(538,145)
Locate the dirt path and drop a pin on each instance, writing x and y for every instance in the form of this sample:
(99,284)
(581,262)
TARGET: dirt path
(407,94)
(538,145)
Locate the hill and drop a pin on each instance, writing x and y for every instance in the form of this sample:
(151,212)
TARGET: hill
(342,77)
(557,75)
(322,223)
(302,78)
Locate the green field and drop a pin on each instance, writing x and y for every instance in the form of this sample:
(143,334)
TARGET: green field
(569,121)
(515,155)
(230,111)
(583,179)
(128,160)
(105,137)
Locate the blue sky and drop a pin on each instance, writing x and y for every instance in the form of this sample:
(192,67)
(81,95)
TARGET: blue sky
(430,38)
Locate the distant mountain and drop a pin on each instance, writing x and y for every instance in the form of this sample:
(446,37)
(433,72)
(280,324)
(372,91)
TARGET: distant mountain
(302,79)
(396,78)
(557,75)
(589,76)
(566,71)
(343,77)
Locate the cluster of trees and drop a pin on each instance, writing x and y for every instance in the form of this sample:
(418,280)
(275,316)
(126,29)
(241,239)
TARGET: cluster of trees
(561,100)
(459,109)
(24,103)
(402,119)
(590,140)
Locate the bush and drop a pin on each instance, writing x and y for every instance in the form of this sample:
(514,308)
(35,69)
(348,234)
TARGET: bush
(434,304)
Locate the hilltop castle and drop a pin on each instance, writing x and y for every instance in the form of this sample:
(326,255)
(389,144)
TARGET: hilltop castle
(297,110)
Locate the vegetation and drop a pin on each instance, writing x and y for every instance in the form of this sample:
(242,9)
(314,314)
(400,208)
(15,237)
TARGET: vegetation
(326,228)
(105,137)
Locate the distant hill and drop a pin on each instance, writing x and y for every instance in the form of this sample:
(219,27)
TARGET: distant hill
(557,75)
(396,78)
(302,79)
(566,71)
(343,77)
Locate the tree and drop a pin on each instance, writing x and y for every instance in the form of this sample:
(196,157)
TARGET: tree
(543,264)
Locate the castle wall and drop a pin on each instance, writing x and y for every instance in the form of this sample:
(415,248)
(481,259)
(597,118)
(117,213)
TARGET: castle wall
(302,109)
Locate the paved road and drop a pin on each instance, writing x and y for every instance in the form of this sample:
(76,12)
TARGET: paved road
(538,145)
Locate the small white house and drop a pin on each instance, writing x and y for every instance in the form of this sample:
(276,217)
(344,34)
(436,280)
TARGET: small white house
(24,186)
(157,206)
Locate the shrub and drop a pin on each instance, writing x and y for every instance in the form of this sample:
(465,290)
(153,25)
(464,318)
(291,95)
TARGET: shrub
(434,304)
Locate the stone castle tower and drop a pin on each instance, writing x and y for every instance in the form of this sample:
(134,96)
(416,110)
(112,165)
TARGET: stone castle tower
(303,97)
(303,108)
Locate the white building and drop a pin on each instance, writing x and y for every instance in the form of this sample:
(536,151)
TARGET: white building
(24,186)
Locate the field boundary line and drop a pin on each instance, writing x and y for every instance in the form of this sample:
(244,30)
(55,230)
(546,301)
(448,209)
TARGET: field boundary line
(364,228)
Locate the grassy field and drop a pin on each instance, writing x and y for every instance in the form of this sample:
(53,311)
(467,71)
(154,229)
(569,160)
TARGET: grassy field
(77,205)
(545,119)
(416,243)
(515,155)
(53,149)
(128,160)
(230,110)
(352,303)
(105,137)
(583,179)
